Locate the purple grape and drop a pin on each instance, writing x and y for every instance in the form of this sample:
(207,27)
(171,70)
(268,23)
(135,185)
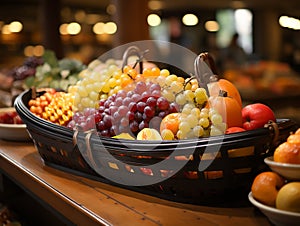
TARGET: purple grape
(162,103)
(134,126)
(149,111)
(141,106)
(107,121)
(143,125)
(151,101)
(122,110)
(132,107)
(126,101)
(140,87)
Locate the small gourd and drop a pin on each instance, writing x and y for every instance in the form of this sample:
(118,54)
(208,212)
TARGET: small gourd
(228,108)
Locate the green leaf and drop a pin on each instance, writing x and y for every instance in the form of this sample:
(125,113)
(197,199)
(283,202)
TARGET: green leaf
(50,57)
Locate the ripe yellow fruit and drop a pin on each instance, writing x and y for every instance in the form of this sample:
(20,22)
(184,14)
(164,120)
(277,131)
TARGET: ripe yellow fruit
(288,197)
(124,136)
(148,134)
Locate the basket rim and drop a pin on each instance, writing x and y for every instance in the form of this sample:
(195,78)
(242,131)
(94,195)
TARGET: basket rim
(24,112)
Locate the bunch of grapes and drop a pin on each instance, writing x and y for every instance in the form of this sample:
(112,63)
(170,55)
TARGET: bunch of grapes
(129,111)
(93,79)
(180,90)
(196,122)
(56,107)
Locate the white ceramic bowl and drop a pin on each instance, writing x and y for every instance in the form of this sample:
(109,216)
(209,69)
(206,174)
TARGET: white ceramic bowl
(13,132)
(276,216)
(288,171)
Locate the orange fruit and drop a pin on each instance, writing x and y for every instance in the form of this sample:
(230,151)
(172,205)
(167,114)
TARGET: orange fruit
(265,187)
(294,139)
(171,122)
(228,108)
(287,153)
(229,87)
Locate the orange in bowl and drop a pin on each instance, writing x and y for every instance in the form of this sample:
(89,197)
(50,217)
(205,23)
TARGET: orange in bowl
(265,187)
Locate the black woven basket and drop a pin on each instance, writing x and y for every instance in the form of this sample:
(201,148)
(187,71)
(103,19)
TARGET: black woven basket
(227,178)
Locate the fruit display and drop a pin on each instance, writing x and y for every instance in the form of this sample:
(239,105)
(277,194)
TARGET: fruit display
(278,189)
(120,99)
(289,151)
(263,78)
(10,116)
(54,73)
(54,106)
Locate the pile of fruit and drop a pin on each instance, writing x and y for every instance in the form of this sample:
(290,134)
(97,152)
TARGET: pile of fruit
(152,104)
(10,117)
(54,73)
(272,189)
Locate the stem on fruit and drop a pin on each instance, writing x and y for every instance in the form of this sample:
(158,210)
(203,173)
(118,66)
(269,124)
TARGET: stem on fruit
(205,70)
(131,51)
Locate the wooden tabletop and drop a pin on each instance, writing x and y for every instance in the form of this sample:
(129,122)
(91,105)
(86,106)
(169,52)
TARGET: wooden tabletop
(87,202)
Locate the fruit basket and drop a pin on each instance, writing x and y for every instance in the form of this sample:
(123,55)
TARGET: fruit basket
(211,171)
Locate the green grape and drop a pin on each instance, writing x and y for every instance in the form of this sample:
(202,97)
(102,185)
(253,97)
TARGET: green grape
(164,72)
(168,95)
(192,120)
(180,99)
(176,86)
(221,126)
(170,79)
(216,119)
(204,122)
(215,131)
(184,127)
(198,131)
(189,95)
(196,111)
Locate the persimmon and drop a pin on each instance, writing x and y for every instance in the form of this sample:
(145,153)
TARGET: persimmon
(228,108)
(225,85)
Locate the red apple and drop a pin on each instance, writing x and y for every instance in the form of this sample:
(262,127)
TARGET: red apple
(256,116)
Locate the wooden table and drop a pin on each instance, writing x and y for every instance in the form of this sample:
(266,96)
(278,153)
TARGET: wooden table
(87,202)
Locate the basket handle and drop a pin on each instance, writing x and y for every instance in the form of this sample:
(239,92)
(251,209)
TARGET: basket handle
(205,70)
(87,142)
(88,148)
(273,127)
(131,51)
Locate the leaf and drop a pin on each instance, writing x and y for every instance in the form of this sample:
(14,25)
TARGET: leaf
(29,81)
(50,57)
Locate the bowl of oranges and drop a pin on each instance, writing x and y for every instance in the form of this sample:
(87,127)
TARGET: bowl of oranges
(277,193)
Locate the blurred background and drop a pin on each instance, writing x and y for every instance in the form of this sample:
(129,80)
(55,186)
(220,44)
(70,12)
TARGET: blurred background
(256,44)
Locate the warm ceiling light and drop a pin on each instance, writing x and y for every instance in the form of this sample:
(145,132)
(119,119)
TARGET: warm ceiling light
(98,28)
(153,20)
(5,29)
(189,19)
(110,28)
(63,29)
(28,51)
(15,26)
(289,22)
(73,28)
(38,50)
(211,26)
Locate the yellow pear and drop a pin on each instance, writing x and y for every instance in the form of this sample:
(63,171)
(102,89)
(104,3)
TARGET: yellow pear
(288,197)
